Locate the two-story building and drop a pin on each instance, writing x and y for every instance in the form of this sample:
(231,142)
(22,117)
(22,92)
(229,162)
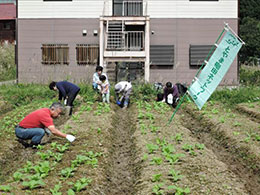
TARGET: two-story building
(150,40)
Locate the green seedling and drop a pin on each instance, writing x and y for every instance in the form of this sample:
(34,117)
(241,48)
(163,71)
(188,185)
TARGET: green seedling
(68,172)
(18,176)
(143,128)
(140,115)
(167,149)
(28,167)
(149,116)
(57,157)
(156,160)
(70,192)
(178,137)
(175,175)
(67,127)
(153,128)
(45,156)
(5,188)
(80,159)
(161,142)
(148,106)
(236,133)
(200,146)
(174,158)
(237,124)
(156,177)
(214,111)
(145,157)
(179,191)
(33,184)
(157,189)
(248,138)
(75,117)
(81,184)
(98,130)
(256,137)
(222,119)
(55,190)
(42,168)
(189,148)
(151,148)
(54,145)
(40,147)
(62,148)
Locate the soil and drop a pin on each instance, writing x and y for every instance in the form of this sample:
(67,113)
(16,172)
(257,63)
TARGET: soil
(223,159)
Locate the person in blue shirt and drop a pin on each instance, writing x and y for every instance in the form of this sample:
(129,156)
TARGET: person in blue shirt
(67,91)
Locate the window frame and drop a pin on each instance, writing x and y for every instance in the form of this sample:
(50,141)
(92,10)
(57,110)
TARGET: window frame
(86,49)
(55,54)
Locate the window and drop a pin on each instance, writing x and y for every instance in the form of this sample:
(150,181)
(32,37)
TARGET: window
(203,0)
(199,53)
(127,7)
(7,26)
(162,56)
(57,0)
(87,54)
(55,54)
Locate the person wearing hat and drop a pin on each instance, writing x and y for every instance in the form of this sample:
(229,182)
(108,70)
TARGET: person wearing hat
(124,89)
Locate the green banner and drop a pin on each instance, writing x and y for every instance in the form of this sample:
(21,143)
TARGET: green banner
(215,69)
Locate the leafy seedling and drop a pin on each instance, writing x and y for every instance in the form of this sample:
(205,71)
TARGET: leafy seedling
(33,184)
(68,172)
(81,184)
(156,160)
(200,146)
(70,192)
(55,190)
(156,177)
(178,190)
(18,176)
(151,148)
(175,175)
(157,189)
(62,148)
(5,188)
(178,137)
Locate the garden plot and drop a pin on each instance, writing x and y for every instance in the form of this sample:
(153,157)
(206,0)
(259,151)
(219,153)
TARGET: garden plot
(232,136)
(251,109)
(174,161)
(131,151)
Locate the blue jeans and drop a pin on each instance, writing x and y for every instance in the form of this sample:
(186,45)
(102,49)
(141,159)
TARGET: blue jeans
(35,134)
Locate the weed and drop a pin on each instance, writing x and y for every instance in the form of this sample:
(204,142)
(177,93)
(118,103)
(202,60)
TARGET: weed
(222,119)
(214,111)
(248,138)
(237,124)
(236,133)
(98,130)
(145,157)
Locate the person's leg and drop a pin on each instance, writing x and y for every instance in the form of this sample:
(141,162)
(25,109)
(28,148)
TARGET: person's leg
(95,86)
(127,97)
(35,134)
(104,98)
(47,136)
(71,98)
(107,97)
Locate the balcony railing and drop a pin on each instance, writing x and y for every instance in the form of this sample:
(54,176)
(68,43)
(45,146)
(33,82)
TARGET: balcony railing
(125,41)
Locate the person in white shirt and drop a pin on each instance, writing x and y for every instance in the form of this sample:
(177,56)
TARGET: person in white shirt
(124,88)
(96,81)
(104,88)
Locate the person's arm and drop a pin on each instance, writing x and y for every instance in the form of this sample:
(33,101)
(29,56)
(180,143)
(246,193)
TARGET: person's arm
(106,88)
(62,92)
(56,132)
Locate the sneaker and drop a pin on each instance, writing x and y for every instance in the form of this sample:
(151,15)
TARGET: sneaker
(24,143)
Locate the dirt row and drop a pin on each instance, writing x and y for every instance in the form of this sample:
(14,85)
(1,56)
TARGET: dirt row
(137,152)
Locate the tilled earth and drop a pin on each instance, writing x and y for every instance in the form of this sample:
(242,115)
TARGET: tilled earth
(135,151)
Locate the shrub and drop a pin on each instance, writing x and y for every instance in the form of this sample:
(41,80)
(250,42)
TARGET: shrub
(7,62)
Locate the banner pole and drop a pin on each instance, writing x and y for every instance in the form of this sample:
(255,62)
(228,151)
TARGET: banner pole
(179,104)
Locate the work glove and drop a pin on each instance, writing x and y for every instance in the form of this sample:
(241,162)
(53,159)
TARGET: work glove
(70,138)
(118,102)
(65,102)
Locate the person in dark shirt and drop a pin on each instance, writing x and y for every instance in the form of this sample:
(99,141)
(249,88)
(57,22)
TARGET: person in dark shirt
(67,91)
(171,93)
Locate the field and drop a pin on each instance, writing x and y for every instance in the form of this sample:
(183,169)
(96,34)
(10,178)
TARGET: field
(135,151)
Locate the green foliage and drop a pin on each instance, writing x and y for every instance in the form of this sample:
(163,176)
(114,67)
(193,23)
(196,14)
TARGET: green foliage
(175,175)
(5,188)
(156,177)
(156,161)
(70,192)
(7,62)
(42,168)
(157,189)
(81,184)
(68,172)
(179,190)
(173,158)
(18,176)
(55,190)
(32,184)
(249,76)
(144,92)
(151,148)
(62,148)
(231,97)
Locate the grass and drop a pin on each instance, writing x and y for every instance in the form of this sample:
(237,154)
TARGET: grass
(7,62)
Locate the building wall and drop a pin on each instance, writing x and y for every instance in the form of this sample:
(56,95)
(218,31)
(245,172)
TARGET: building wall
(178,32)
(32,33)
(155,9)
(182,33)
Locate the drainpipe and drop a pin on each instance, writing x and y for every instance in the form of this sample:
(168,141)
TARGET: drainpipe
(101,42)
(147,51)
(16,41)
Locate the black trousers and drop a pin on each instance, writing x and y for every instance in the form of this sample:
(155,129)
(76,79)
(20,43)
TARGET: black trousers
(71,98)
